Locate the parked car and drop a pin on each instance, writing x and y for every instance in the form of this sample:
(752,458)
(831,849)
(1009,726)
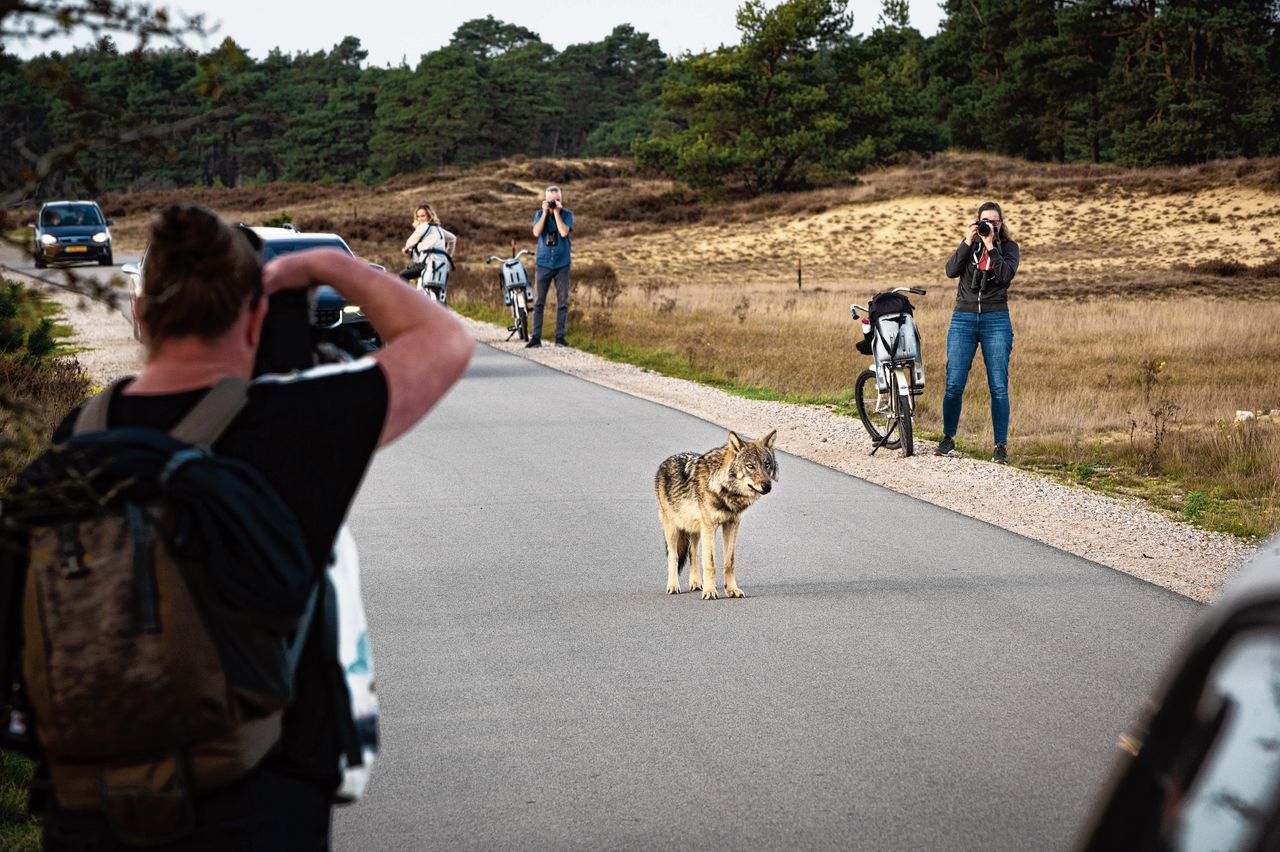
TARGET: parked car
(330,313)
(1205,774)
(71,232)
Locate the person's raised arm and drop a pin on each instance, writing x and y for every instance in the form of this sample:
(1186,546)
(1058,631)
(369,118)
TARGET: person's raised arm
(540,221)
(1004,260)
(564,222)
(415,237)
(425,348)
(959,259)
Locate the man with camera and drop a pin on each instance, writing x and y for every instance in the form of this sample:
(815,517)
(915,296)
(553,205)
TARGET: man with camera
(985,262)
(310,435)
(552,226)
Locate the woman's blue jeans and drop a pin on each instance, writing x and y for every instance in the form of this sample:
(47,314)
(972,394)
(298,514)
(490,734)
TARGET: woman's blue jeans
(995,332)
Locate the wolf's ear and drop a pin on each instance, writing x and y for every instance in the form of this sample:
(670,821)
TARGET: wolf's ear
(735,441)
(768,439)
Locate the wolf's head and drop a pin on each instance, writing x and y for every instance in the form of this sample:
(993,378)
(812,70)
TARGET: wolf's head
(752,467)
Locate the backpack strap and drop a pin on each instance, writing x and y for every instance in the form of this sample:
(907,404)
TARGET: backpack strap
(202,426)
(93,416)
(211,416)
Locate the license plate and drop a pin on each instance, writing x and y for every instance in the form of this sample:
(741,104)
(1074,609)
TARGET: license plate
(77,249)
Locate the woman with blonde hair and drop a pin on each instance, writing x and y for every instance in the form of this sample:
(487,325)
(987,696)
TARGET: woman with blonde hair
(428,238)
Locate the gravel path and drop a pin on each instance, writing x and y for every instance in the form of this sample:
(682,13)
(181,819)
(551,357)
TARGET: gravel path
(1121,534)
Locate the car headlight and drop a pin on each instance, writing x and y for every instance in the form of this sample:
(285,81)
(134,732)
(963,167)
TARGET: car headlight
(48,239)
(351,309)
(101,237)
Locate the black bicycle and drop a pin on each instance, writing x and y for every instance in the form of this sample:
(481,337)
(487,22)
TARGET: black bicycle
(516,292)
(885,392)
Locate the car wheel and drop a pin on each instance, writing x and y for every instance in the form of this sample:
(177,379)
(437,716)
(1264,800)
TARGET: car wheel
(41,263)
(105,261)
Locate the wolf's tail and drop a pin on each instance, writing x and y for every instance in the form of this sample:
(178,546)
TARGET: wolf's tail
(682,550)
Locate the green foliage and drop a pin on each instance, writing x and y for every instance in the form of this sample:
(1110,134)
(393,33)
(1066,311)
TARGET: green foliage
(799,100)
(40,341)
(763,112)
(18,831)
(279,221)
(1195,505)
(164,118)
(1155,82)
(25,333)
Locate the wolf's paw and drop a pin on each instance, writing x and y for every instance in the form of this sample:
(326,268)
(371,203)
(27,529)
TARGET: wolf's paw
(734,592)
(673,588)
(695,588)
(709,594)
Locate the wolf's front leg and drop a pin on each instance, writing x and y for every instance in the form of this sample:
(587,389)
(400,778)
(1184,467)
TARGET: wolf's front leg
(707,542)
(695,575)
(730,532)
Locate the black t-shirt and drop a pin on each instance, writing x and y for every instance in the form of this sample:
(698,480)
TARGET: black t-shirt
(311,435)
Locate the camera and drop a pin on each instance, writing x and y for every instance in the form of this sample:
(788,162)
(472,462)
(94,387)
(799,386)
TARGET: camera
(286,343)
(304,328)
(552,205)
(984,227)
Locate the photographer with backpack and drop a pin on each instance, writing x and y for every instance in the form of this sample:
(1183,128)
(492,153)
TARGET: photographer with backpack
(985,262)
(263,774)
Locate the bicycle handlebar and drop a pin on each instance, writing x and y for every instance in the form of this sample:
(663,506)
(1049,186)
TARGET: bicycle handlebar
(516,256)
(918,291)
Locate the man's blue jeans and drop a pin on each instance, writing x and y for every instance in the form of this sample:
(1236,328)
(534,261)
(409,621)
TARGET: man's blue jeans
(542,278)
(995,332)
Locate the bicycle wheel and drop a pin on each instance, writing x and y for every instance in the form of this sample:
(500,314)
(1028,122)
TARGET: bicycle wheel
(874,408)
(904,424)
(522,314)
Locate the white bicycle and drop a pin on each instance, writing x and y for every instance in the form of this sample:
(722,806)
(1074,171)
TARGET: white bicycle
(516,292)
(885,393)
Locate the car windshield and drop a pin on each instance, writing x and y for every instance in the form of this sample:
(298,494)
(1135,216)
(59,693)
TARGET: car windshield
(63,215)
(276,248)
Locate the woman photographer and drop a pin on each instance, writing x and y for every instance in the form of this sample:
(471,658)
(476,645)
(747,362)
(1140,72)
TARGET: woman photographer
(427,236)
(985,262)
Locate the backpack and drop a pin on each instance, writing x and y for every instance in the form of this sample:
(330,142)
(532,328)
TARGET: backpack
(436,262)
(893,336)
(165,596)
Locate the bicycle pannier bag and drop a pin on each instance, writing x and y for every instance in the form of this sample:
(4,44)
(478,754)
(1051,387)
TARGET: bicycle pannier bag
(895,337)
(514,276)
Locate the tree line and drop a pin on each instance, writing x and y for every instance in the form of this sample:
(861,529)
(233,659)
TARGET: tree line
(800,100)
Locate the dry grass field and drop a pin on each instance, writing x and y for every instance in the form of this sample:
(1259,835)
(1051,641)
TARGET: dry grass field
(1146,310)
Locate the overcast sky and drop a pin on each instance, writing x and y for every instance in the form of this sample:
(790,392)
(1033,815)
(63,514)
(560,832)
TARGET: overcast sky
(392,30)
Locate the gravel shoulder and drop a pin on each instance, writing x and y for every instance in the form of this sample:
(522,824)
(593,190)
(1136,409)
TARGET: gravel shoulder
(1120,534)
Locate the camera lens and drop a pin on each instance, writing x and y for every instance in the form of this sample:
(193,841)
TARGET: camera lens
(984,228)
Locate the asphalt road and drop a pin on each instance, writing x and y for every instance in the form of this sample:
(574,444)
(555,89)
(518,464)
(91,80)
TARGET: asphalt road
(899,676)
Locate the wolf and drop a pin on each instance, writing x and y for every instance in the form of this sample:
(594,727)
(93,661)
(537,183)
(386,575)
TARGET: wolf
(697,493)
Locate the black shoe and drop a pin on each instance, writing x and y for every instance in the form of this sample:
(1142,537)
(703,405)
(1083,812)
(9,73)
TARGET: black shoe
(560,341)
(946,446)
(534,343)
(1001,455)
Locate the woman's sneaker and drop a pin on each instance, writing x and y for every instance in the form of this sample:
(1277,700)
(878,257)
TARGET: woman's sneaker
(1001,455)
(946,446)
